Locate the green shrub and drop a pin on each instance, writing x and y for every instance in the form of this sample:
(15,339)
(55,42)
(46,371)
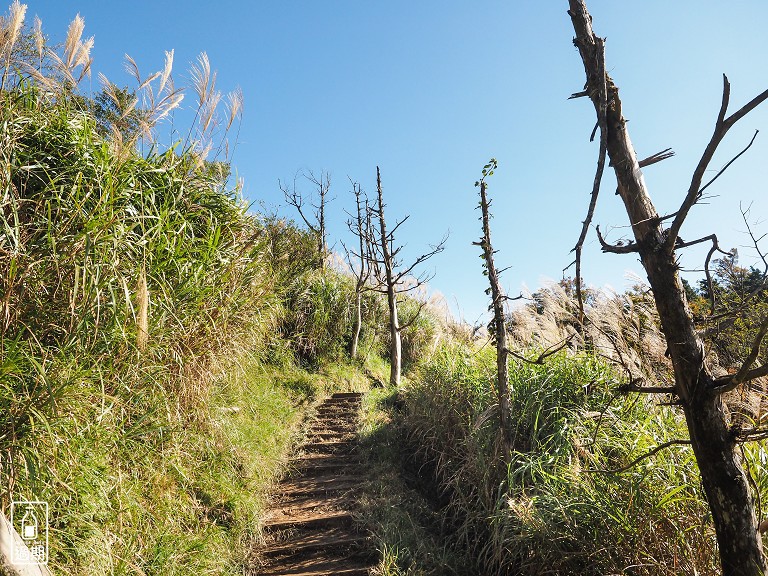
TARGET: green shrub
(319,319)
(419,337)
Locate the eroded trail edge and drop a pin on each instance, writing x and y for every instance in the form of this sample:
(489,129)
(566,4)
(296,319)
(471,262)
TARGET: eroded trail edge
(310,528)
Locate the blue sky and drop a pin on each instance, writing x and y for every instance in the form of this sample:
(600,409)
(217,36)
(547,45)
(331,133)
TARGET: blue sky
(430,90)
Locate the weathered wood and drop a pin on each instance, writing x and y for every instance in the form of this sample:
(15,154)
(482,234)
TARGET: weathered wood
(310,529)
(396,347)
(722,470)
(499,329)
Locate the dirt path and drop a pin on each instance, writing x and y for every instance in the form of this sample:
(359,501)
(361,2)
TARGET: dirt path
(310,529)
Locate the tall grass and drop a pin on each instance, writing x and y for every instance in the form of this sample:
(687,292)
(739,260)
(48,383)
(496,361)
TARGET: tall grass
(558,509)
(136,295)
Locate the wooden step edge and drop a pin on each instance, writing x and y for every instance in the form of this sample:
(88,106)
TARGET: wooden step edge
(300,503)
(309,459)
(322,480)
(310,520)
(321,571)
(320,490)
(299,547)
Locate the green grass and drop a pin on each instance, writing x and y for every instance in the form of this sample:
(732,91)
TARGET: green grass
(181,491)
(405,526)
(556,510)
(140,303)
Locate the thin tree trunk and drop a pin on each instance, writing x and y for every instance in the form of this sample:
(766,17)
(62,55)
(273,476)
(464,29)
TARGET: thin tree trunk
(322,248)
(358,324)
(722,470)
(499,327)
(395,347)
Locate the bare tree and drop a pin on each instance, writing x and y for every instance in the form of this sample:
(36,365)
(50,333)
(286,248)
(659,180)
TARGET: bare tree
(700,394)
(315,220)
(359,262)
(497,326)
(392,278)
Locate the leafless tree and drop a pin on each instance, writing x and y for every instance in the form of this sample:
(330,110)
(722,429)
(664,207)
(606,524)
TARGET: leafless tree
(359,262)
(497,326)
(700,394)
(389,275)
(314,220)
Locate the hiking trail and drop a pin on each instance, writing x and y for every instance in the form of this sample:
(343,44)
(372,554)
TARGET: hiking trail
(310,530)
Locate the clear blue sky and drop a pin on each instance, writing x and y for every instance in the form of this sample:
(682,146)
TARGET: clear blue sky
(429,90)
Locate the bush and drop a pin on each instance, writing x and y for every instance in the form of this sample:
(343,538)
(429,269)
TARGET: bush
(419,337)
(318,323)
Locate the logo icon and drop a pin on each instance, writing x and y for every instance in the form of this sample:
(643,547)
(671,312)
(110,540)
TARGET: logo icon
(30,520)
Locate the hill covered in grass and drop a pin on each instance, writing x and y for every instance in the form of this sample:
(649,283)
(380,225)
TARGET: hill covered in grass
(160,344)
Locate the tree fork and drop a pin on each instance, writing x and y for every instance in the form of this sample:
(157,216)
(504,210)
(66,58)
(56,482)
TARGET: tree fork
(722,470)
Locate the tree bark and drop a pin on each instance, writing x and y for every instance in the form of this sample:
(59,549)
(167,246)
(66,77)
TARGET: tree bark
(499,327)
(358,324)
(360,228)
(395,347)
(722,470)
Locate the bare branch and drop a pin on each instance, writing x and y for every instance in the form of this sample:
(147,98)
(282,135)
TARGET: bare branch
(722,125)
(724,168)
(294,198)
(415,317)
(554,349)
(628,248)
(751,434)
(728,383)
(634,386)
(715,248)
(756,243)
(602,99)
(658,157)
(681,244)
(436,249)
(648,454)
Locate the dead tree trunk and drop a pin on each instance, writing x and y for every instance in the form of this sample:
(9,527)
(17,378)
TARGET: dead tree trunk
(392,278)
(723,474)
(395,347)
(360,227)
(498,325)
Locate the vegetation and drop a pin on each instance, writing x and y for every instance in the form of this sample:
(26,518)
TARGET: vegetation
(143,390)
(160,345)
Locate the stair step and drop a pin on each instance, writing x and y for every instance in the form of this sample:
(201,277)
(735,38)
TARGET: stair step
(319,487)
(306,502)
(309,520)
(331,435)
(340,447)
(322,540)
(322,570)
(319,564)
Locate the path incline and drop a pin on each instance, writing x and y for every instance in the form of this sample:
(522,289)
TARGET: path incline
(310,530)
